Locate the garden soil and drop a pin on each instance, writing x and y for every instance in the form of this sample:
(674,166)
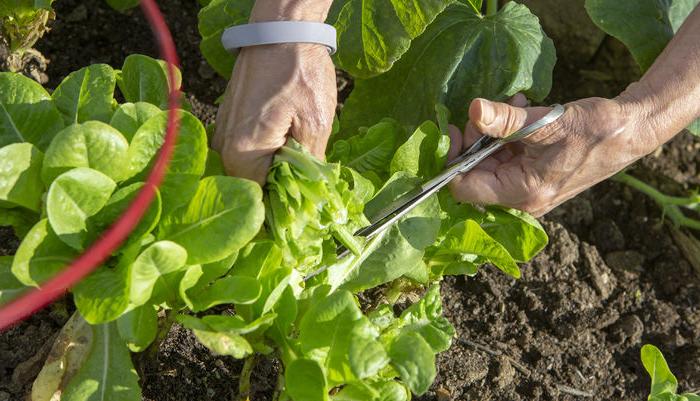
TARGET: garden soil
(611,279)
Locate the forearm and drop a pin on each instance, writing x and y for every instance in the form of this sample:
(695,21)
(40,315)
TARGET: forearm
(290,10)
(667,98)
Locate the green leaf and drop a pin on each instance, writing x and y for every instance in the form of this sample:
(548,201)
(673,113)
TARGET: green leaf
(20,183)
(138,327)
(414,360)
(518,232)
(10,287)
(27,113)
(372,151)
(400,250)
(378,391)
(461,56)
(103,296)
(123,5)
(215,166)
(199,277)
(468,238)
(129,117)
(220,342)
(223,216)
(425,318)
(107,374)
(86,94)
(262,260)
(644,26)
(662,380)
(306,381)
(40,255)
(424,153)
(144,79)
(366,355)
(325,333)
(694,128)
(228,290)
(93,144)
(159,259)
(213,20)
(116,206)
(73,197)
(374,34)
(187,164)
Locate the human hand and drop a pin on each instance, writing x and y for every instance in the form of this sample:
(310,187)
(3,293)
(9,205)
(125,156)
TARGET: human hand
(275,91)
(594,139)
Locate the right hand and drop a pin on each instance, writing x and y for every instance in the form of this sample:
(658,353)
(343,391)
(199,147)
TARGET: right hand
(594,139)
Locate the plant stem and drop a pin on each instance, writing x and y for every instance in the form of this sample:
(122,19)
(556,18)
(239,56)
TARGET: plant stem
(163,330)
(669,204)
(279,386)
(491,7)
(244,380)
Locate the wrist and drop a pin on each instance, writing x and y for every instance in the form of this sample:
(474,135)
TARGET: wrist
(290,10)
(645,110)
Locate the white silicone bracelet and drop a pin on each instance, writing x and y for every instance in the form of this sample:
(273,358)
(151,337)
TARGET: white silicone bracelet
(276,32)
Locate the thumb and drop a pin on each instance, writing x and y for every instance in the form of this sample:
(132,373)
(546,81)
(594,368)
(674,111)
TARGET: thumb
(499,120)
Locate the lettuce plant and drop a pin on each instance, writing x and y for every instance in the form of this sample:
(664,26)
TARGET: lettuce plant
(22,23)
(664,385)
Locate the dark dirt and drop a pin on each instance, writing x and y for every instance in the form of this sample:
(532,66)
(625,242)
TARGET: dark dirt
(611,280)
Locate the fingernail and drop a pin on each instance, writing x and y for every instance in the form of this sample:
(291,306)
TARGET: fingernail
(488,115)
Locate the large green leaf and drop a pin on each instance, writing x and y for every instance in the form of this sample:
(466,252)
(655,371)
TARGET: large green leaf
(306,381)
(425,318)
(326,334)
(144,79)
(644,26)
(103,296)
(21,220)
(400,250)
(224,214)
(521,234)
(239,290)
(40,255)
(413,358)
(20,183)
(188,161)
(262,261)
(92,144)
(221,342)
(27,113)
(388,390)
(213,20)
(138,327)
(374,34)
(461,56)
(424,153)
(129,117)
(116,206)
(159,259)
(73,197)
(468,238)
(370,154)
(107,374)
(10,287)
(86,94)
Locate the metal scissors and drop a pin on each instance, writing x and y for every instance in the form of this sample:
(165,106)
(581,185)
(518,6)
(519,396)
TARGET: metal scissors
(480,150)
